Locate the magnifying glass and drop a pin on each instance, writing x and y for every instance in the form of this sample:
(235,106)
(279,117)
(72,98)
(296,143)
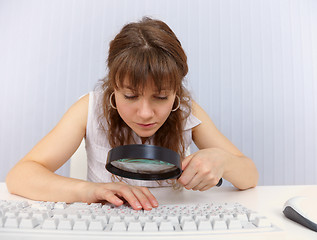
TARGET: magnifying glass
(145,162)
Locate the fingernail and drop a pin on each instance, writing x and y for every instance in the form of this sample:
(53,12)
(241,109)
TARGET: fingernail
(155,203)
(138,205)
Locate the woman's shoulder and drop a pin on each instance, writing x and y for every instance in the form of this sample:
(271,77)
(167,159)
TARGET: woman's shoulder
(84,100)
(80,107)
(197,111)
(192,120)
(78,112)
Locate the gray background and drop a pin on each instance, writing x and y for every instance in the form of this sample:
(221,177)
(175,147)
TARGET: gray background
(253,67)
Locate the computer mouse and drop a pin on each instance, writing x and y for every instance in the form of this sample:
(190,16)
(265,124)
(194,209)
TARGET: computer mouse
(302,210)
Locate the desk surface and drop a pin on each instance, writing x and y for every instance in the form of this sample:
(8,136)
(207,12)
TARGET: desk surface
(268,200)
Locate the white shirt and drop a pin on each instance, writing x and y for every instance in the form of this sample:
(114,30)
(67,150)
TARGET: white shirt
(97,144)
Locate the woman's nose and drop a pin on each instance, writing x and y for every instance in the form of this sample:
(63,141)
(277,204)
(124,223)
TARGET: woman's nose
(145,110)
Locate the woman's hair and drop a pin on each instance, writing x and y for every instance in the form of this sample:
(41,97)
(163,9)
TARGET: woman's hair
(147,51)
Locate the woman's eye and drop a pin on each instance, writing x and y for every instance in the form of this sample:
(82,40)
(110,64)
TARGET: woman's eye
(161,97)
(130,96)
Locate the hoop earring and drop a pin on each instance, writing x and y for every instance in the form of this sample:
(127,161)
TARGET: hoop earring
(178,105)
(110,101)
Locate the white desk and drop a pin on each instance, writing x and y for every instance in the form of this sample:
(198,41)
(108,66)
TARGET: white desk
(267,200)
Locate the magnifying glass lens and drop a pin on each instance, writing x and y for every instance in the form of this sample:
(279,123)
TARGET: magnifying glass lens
(144,166)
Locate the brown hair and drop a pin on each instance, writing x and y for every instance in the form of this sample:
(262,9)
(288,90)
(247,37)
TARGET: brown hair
(141,51)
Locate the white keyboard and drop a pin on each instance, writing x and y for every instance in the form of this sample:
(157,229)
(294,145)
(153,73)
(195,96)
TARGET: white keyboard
(48,220)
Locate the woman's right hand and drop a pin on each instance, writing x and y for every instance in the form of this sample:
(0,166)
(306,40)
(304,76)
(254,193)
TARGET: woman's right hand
(137,197)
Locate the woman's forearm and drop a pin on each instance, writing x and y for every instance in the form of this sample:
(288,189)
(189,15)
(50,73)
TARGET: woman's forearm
(32,180)
(241,172)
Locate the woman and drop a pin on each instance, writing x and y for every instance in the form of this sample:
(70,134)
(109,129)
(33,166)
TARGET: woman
(142,100)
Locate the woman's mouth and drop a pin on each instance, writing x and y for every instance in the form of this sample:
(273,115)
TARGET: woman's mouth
(146,125)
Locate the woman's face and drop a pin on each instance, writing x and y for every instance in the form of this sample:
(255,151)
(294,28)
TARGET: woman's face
(144,112)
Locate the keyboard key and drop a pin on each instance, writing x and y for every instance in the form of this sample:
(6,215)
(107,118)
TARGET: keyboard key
(102,217)
(50,223)
(241,216)
(43,205)
(119,227)
(144,219)
(204,225)
(219,225)
(96,225)
(158,218)
(24,214)
(80,224)
(12,222)
(65,224)
(189,225)
(150,227)
(252,216)
(59,213)
(226,216)
(185,218)
(73,215)
(128,218)
(173,219)
(214,217)
(114,218)
(135,226)
(234,224)
(199,217)
(28,223)
(22,204)
(166,226)
(41,215)
(60,205)
(261,222)
(11,214)
(248,225)
(95,205)
(79,205)
(87,216)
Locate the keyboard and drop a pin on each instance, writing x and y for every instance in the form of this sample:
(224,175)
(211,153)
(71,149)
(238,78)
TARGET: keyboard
(49,220)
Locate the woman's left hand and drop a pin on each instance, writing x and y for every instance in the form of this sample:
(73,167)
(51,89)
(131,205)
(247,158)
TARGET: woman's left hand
(203,169)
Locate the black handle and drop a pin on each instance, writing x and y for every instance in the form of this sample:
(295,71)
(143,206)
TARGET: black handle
(219,183)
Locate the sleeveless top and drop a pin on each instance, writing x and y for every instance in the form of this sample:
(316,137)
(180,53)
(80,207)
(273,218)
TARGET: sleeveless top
(97,144)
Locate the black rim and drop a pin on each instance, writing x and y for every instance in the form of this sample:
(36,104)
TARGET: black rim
(140,151)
